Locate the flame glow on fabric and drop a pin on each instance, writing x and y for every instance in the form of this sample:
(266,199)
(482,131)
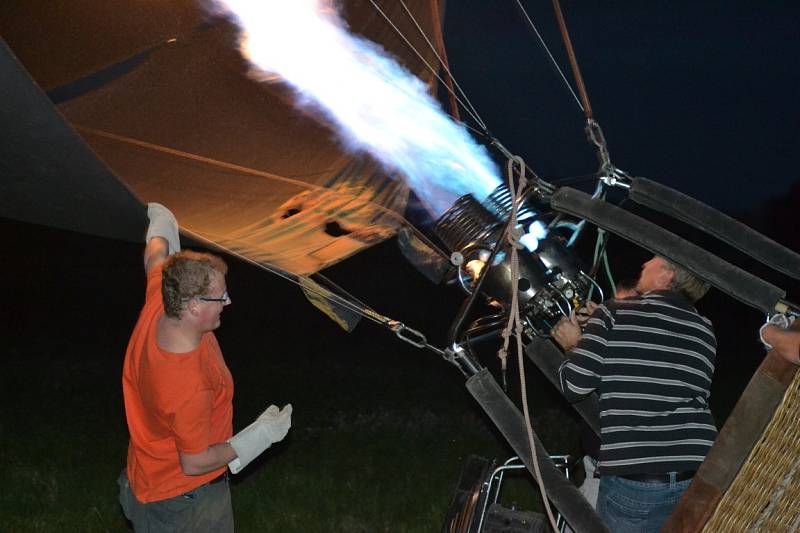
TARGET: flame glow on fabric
(376,104)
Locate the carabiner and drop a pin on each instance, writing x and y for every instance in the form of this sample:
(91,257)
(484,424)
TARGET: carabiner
(411,336)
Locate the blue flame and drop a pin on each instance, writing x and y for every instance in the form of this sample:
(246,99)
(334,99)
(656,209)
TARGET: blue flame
(376,104)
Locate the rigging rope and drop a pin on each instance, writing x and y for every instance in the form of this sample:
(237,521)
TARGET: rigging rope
(514,325)
(576,71)
(442,58)
(469,109)
(438,35)
(553,61)
(362,310)
(250,171)
(403,332)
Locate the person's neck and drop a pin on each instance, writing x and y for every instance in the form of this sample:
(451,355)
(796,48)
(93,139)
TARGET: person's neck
(177,336)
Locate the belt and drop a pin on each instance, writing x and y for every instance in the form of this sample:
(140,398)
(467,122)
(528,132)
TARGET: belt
(220,478)
(659,478)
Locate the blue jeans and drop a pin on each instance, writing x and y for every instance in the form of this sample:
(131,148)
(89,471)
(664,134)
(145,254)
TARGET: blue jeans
(637,507)
(204,509)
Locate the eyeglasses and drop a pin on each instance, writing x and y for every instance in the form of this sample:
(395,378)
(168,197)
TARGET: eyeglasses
(225,298)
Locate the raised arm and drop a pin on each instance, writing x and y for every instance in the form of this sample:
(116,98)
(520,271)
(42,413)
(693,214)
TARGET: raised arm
(155,251)
(162,237)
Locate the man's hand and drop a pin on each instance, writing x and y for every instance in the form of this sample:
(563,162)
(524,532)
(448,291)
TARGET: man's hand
(776,322)
(584,313)
(277,422)
(163,224)
(162,237)
(567,332)
(778,335)
(270,427)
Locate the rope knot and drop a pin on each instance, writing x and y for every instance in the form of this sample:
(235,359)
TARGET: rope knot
(514,236)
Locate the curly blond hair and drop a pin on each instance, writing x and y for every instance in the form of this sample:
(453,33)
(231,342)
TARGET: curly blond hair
(187,274)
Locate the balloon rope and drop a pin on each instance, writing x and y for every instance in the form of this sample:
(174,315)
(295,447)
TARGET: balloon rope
(514,325)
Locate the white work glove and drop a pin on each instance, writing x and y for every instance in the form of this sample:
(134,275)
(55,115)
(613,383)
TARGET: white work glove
(272,426)
(591,485)
(780,320)
(163,224)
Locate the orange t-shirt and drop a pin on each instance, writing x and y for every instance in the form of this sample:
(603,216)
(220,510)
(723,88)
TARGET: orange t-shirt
(174,402)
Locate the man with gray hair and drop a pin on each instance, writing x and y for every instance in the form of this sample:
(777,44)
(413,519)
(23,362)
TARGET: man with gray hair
(650,357)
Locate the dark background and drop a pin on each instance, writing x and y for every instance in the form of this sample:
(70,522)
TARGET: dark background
(700,96)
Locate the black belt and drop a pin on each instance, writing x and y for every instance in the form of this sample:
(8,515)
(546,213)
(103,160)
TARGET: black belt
(220,478)
(659,478)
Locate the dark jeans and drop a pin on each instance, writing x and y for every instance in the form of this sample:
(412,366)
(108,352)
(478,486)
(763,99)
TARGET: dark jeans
(628,506)
(204,509)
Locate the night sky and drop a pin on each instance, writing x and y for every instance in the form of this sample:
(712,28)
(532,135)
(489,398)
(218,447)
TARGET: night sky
(700,96)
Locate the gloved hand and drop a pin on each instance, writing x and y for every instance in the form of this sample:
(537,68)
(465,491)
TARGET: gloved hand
(163,224)
(591,484)
(780,320)
(270,427)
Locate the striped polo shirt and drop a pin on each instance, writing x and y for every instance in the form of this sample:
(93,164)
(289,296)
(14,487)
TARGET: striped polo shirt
(651,359)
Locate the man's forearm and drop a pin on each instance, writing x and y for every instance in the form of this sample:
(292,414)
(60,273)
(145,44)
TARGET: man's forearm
(216,456)
(155,251)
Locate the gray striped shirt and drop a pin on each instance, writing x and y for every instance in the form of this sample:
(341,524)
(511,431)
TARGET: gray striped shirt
(651,360)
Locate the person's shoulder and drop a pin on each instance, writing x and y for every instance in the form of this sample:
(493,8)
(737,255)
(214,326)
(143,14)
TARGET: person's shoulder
(606,311)
(157,272)
(676,305)
(631,302)
(669,299)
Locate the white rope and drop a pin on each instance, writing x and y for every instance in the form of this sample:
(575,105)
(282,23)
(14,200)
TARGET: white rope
(443,64)
(514,325)
(358,309)
(474,115)
(362,310)
(550,55)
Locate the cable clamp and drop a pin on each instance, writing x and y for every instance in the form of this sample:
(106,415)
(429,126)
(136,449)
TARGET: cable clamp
(411,336)
(614,177)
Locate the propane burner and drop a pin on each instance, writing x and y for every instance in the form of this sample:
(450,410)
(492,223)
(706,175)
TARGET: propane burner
(550,283)
(467,223)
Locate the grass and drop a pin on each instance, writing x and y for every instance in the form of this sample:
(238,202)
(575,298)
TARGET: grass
(383,467)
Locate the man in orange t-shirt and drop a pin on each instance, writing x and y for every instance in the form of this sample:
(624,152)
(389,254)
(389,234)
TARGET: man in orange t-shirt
(178,395)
